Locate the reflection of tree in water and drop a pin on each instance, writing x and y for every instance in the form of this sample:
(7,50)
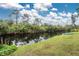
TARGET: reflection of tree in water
(27,37)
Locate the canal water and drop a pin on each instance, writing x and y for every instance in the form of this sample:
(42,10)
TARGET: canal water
(30,39)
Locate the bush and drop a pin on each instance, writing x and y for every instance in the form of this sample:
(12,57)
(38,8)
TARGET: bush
(6,50)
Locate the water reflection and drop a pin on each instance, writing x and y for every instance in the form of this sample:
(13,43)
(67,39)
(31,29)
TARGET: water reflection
(30,39)
(20,42)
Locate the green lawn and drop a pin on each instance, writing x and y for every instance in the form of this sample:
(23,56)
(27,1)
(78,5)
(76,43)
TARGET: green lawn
(61,45)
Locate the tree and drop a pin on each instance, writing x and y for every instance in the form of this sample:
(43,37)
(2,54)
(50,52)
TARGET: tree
(37,21)
(25,15)
(3,29)
(16,13)
(73,20)
(78,10)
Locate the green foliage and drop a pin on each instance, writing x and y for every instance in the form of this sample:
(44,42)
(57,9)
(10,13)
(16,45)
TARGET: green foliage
(6,50)
(3,27)
(7,27)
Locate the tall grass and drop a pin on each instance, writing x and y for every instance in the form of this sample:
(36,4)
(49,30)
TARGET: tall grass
(61,45)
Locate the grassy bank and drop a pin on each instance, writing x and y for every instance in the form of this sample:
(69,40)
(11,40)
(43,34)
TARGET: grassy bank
(65,44)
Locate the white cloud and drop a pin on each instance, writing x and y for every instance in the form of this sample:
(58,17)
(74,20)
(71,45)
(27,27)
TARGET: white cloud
(52,14)
(38,6)
(75,13)
(34,13)
(63,14)
(48,5)
(33,10)
(27,6)
(23,11)
(69,14)
(28,12)
(41,6)
(52,18)
(56,19)
(54,9)
(44,9)
(10,5)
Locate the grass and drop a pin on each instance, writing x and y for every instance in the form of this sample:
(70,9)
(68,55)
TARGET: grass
(61,45)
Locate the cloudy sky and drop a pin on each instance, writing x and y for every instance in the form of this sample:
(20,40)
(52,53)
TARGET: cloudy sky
(46,11)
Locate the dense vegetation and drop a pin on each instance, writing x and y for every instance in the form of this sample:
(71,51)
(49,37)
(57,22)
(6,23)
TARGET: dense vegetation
(7,27)
(6,49)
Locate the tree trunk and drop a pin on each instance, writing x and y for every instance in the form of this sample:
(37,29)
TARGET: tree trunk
(5,41)
(1,40)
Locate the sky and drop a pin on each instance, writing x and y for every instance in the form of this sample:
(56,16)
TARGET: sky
(67,7)
(46,11)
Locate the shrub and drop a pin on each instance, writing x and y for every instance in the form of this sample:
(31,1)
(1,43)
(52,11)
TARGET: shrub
(6,50)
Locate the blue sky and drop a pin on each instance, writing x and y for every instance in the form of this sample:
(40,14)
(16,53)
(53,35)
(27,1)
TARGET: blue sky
(71,7)
(67,7)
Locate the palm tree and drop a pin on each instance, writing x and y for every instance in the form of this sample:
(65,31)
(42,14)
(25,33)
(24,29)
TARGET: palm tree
(78,9)
(74,16)
(25,16)
(37,21)
(16,13)
(73,20)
